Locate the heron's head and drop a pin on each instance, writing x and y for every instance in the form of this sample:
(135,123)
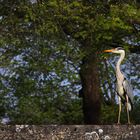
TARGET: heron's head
(118,50)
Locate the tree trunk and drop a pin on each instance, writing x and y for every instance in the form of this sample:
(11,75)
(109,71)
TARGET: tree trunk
(90,90)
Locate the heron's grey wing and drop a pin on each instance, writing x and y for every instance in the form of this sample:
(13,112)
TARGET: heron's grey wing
(128,89)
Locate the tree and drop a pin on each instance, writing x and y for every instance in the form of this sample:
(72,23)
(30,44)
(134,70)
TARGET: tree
(46,44)
(95,26)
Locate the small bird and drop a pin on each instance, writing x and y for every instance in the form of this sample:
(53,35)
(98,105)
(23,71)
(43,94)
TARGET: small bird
(124,88)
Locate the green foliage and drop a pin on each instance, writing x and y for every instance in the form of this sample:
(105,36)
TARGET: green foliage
(136,111)
(109,113)
(41,53)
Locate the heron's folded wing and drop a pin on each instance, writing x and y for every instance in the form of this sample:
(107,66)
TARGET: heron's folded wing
(128,89)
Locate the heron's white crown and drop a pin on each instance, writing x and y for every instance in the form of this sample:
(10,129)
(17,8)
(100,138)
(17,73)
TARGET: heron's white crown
(118,51)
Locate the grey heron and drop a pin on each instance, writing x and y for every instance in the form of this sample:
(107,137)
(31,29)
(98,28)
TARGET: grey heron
(124,88)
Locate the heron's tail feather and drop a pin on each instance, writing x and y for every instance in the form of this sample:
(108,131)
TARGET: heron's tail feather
(129,106)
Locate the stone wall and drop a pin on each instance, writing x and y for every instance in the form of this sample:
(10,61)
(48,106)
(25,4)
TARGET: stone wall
(70,132)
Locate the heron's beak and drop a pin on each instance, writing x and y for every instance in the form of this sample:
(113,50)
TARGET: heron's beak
(111,50)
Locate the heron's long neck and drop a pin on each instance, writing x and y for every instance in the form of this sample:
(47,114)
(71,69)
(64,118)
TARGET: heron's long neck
(118,71)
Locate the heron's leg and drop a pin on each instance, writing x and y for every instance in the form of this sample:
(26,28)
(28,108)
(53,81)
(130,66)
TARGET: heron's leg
(120,108)
(128,117)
